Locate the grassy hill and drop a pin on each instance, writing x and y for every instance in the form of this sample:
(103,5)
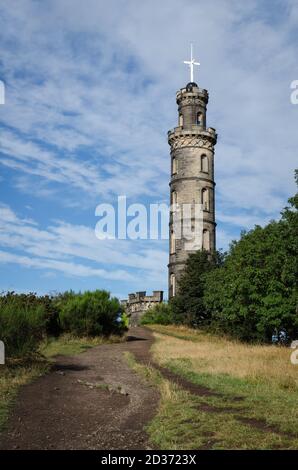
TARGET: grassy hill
(242,396)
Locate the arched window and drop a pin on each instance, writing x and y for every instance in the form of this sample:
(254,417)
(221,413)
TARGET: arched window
(174,198)
(205,199)
(173,285)
(206,240)
(174,202)
(174,166)
(181,120)
(172,243)
(204,164)
(199,119)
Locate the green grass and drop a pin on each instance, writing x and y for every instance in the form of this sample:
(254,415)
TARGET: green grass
(249,412)
(181,332)
(68,345)
(181,424)
(259,400)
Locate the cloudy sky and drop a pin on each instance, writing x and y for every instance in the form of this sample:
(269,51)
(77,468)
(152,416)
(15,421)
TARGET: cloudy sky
(90,96)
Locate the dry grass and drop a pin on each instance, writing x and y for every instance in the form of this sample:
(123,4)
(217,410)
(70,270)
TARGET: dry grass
(255,406)
(186,421)
(68,345)
(215,355)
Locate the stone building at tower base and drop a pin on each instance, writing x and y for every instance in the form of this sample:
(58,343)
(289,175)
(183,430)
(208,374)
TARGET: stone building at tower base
(138,303)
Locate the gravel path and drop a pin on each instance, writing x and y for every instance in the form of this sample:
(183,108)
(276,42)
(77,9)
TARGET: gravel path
(89,401)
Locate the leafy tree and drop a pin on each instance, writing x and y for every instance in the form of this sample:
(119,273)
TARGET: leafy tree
(188,306)
(256,289)
(90,313)
(249,291)
(23,320)
(160,314)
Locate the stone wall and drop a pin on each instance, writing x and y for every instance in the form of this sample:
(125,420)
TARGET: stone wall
(138,303)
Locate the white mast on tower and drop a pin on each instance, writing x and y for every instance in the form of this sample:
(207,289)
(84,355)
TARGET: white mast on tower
(191,64)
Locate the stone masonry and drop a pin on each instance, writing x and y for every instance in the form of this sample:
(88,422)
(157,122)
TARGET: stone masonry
(192,178)
(137,304)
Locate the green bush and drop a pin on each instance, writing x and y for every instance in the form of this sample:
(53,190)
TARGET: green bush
(90,313)
(159,314)
(22,325)
(26,319)
(255,292)
(124,323)
(31,300)
(52,320)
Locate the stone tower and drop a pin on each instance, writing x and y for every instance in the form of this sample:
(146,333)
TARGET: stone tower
(192,180)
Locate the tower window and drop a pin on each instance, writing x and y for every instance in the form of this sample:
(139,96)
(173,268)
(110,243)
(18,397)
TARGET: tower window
(174,202)
(173,197)
(199,119)
(205,199)
(172,243)
(173,284)
(206,240)
(181,120)
(204,164)
(174,166)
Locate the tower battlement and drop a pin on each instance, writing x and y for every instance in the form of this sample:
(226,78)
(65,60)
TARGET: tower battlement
(192,91)
(138,303)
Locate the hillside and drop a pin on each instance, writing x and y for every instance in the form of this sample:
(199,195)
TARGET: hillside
(230,395)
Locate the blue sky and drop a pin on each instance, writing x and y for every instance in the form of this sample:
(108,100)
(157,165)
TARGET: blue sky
(90,96)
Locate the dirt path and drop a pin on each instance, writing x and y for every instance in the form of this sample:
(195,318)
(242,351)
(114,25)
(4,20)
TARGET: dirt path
(71,407)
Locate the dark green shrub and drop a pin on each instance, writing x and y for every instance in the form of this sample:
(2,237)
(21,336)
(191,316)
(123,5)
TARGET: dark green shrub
(22,325)
(90,313)
(188,304)
(256,290)
(52,320)
(31,300)
(159,314)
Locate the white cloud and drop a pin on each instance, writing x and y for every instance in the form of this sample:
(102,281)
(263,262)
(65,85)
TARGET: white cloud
(63,247)
(68,268)
(246,221)
(84,87)
(91,95)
